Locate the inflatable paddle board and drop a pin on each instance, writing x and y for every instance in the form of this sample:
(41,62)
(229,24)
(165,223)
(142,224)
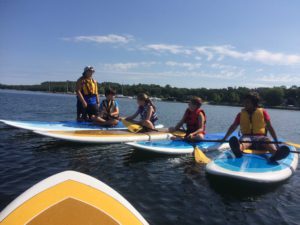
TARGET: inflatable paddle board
(70,198)
(104,136)
(64,125)
(178,147)
(253,166)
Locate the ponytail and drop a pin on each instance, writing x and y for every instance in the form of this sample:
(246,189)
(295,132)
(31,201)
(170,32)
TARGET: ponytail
(145,97)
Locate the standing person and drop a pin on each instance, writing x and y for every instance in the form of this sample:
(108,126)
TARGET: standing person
(195,120)
(146,110)
(109,110)
(87,95)
(254,124)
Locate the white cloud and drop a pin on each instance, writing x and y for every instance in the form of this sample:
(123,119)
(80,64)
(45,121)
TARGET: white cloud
(262,56)
(188,66)
(110,38)
(126,66)
(174,49)
(280,78)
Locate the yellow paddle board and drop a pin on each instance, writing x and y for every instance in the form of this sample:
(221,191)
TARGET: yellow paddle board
(105,136)
(70,198)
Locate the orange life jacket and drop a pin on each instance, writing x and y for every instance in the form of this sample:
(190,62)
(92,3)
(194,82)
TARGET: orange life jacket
(192,120)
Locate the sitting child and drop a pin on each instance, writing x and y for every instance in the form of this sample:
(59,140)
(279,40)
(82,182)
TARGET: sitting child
(109,110)
(195,120)
(146,110)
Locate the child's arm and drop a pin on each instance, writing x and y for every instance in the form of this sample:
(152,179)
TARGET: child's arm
(97,94)
(233,126)
(116,112)
(270,128)
(180,123)
(79,94)
(132,117)
(231,129)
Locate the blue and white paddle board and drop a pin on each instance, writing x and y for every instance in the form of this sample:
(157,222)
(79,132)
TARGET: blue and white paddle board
(179,147)
(253,166)
(63,125)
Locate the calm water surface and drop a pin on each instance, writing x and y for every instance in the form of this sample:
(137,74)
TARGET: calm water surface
(165,190)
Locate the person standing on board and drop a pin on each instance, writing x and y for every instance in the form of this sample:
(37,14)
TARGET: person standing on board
(146,110)
(87,95)
(195,120)
(254,124)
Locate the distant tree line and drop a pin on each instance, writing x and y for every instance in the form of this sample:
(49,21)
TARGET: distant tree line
(276,96)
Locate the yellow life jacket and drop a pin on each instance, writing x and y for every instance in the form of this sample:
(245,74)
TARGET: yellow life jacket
(89,87)
(254,124)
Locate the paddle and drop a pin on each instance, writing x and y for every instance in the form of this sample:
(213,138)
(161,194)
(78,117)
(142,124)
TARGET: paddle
(134,127)
(263,142)
(199,155)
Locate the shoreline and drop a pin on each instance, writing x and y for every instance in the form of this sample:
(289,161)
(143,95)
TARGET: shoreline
(293,108)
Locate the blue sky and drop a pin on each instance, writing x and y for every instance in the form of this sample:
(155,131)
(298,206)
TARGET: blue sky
(190,43)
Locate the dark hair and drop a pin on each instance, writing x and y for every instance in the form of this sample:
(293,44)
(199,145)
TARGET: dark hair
(110,91)
(196,101)
(253,97)
(145,97)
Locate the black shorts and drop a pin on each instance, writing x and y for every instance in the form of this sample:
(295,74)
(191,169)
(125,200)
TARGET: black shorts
(256,145)
(86,113)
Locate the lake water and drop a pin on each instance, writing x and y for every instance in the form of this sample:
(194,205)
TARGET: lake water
(165,190)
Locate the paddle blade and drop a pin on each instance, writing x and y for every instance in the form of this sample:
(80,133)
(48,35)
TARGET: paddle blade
(200,157)
(292,144)
(132,127)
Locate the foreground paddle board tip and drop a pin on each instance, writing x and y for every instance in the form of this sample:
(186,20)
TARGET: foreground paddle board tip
(70,198)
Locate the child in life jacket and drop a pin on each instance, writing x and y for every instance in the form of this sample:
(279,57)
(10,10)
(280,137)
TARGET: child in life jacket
(254,124)
(195,120)
(109,110)
(87,95)
(146,110)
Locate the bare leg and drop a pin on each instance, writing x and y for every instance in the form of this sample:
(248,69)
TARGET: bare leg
(147,123)
(99,121)
(197,137)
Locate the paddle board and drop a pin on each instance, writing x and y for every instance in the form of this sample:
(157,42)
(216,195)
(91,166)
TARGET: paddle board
(104,136)
(64,125)
(70,198)
(253,166)
(178,147)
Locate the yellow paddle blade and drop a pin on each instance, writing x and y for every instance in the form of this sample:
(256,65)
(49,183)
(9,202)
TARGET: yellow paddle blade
(132,127)
(292,144)
(200,157)
(179,134)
